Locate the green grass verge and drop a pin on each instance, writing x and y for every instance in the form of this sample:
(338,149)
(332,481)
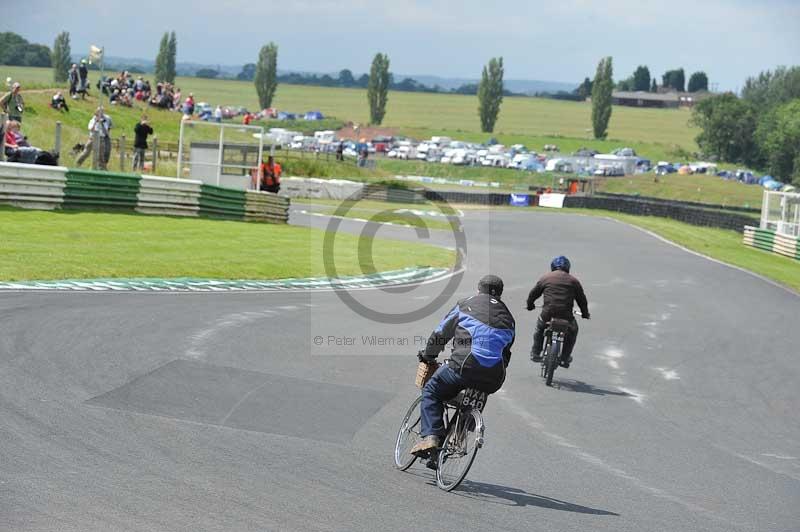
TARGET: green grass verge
(720,244)
(700,188)
(41,245)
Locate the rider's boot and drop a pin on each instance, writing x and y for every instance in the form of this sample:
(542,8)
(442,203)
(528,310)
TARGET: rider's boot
(426,445)
(536,353)
(565,363)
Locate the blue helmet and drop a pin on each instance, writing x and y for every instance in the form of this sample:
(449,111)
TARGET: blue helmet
(560,263)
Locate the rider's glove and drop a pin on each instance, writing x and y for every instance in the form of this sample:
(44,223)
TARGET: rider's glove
(586,316)
(531,306)
(422,358)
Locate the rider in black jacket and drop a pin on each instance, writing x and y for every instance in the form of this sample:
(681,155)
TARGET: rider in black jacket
(482,329)
(561,290)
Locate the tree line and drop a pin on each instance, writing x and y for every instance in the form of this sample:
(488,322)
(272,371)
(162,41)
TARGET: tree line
(760,128)
(17,51)
(347,80)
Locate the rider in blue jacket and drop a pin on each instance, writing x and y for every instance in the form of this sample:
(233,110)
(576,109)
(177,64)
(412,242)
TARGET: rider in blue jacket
(482,330)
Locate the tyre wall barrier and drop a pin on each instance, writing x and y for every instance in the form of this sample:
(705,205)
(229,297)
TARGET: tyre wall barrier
(682,213)
(785,245)
(47,187)
(680,203)
(33,187)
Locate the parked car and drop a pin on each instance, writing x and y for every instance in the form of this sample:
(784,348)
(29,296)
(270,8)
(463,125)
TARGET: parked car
(664,168)
(228,112)
(609,170)
(624,152)
(202,109)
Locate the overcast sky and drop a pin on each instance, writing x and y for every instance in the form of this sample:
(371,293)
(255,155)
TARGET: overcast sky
(557,40)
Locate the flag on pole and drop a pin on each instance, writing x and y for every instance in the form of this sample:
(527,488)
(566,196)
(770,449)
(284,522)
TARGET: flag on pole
(95,54)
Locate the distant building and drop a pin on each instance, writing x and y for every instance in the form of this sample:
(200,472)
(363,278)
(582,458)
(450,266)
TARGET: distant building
(667,100)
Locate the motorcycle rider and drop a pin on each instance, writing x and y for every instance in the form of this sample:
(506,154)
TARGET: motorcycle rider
(482,329)
(560,290)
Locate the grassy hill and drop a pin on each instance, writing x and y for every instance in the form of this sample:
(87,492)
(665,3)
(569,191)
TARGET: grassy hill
(656,133)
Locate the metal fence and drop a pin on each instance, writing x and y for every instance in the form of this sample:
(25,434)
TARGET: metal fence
(780,212)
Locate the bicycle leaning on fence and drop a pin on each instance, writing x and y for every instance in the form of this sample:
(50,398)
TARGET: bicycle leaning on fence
(463,421)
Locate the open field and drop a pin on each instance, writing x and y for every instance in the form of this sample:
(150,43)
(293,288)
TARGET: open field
(41,245)
(531,121)
(699,188)
(39,120)
(411,113)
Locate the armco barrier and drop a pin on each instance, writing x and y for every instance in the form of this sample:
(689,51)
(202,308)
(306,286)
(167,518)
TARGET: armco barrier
(679,203)
(475,198)
(785,245)
(687,214)
(47,187)
(33,187)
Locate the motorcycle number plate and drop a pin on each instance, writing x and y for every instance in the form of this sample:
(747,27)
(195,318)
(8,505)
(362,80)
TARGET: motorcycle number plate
(474,399)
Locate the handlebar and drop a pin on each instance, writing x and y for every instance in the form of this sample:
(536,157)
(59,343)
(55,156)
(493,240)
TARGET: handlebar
(576,312)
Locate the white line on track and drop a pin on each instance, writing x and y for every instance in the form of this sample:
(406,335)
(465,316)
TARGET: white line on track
(698,254)
(534,423)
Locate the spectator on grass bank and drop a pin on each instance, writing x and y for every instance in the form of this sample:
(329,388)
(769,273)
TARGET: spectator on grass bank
(83,77)
(101,125)
(12,103)
(340,151)
(58,102)
(141,132)
(270,176)
(19,150)
(363,153)
(74,79)
(218,114)
(188,105)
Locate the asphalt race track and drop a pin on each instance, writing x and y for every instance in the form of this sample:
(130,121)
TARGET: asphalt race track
(250,411)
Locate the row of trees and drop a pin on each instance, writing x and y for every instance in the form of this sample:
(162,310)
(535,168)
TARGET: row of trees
(675,79)
(378,83)
(760,129)
(61,57)
(16,51)
(346,79)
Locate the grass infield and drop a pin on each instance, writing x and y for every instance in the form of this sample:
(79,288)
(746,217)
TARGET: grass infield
(42,245)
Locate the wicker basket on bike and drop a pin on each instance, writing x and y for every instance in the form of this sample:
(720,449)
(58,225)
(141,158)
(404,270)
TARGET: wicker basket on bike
(425,371)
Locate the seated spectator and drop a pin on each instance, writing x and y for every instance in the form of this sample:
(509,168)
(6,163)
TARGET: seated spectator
(18,150)
(58,102)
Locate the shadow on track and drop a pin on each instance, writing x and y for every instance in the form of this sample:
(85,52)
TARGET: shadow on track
(517,497)
(584,387)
